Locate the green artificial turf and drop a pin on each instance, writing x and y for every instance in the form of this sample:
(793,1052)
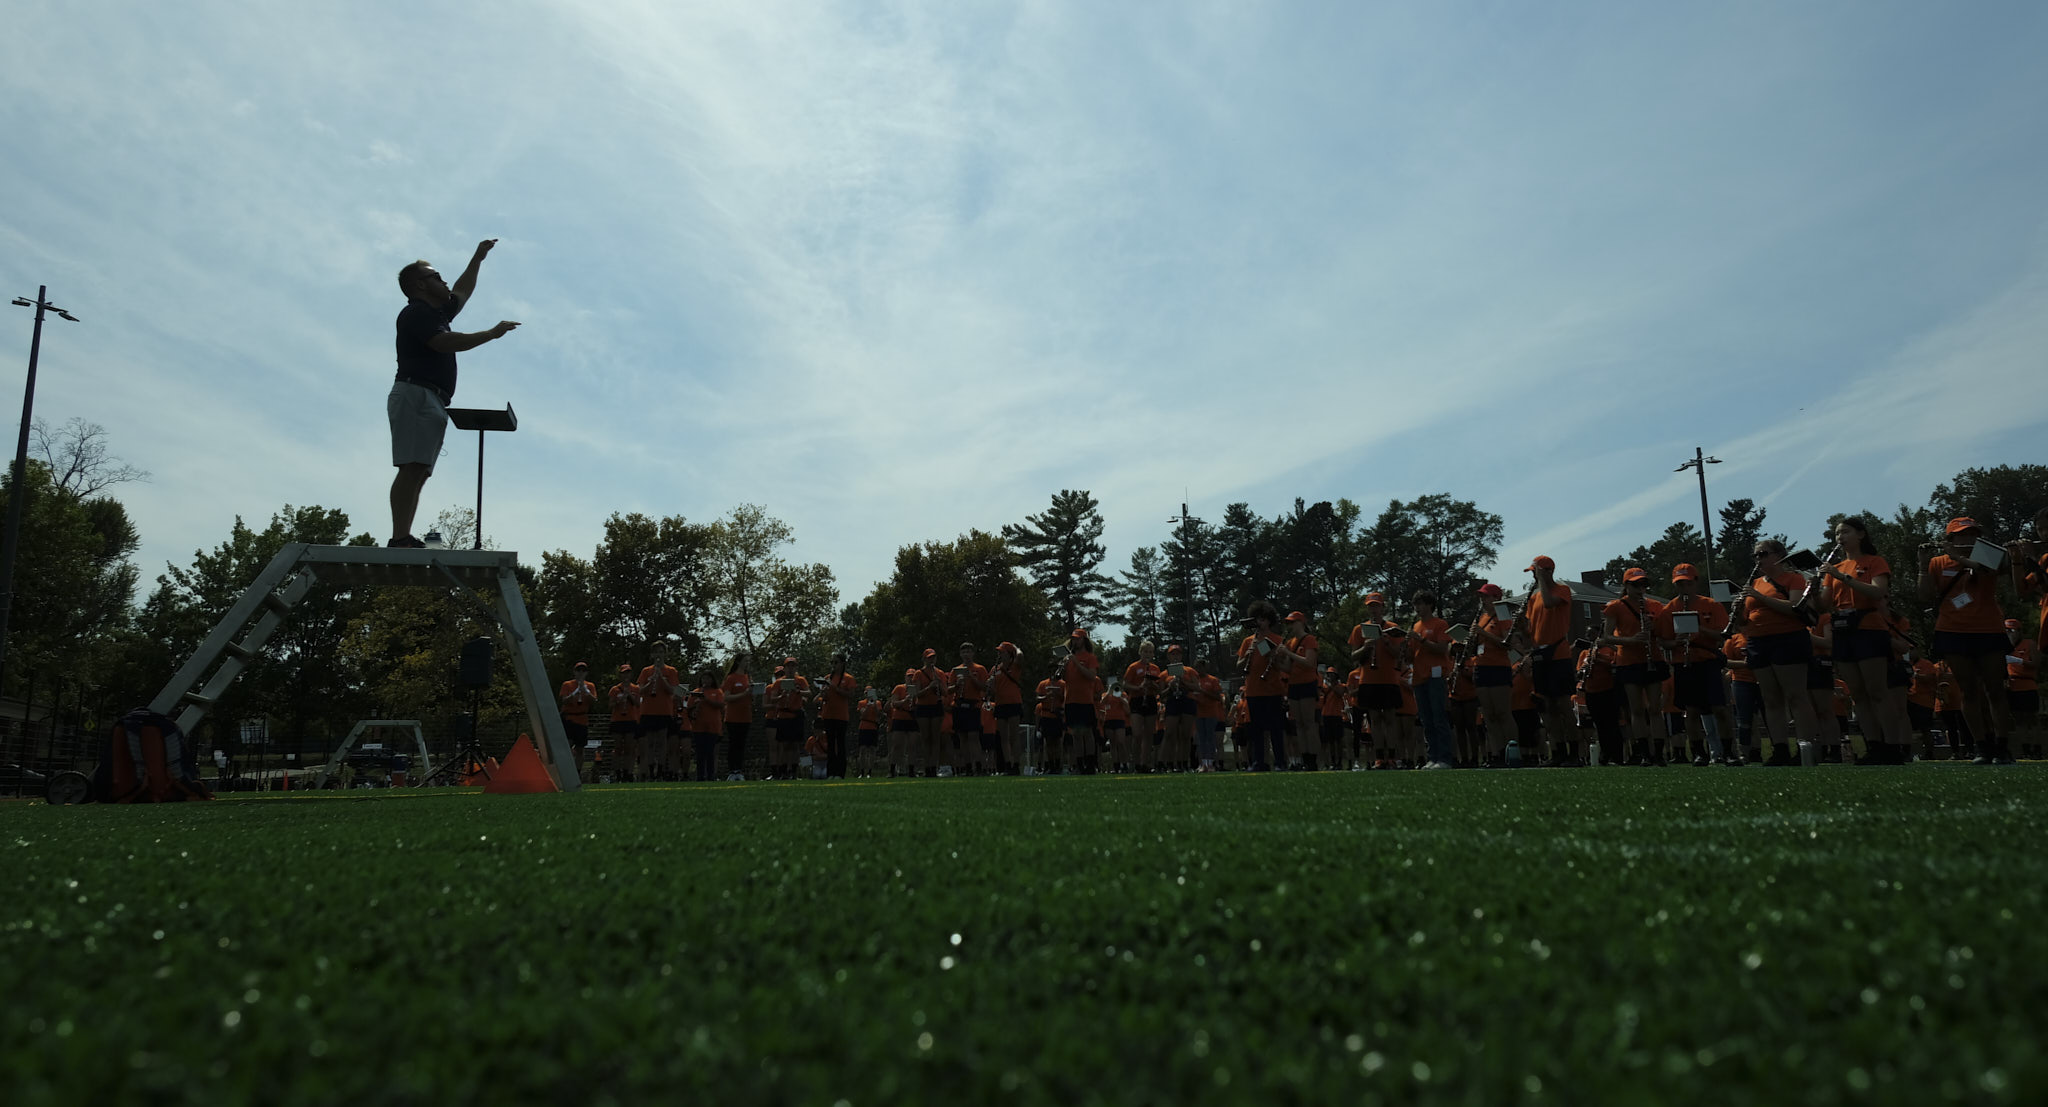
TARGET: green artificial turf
(1617,935)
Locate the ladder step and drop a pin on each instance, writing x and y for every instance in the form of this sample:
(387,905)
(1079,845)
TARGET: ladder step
(198,699)
(239,651)
(275,601)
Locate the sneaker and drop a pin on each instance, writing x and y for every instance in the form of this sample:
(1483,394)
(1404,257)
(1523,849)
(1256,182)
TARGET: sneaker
(406,543)
(735,776)
(1701,761)
(1438,765)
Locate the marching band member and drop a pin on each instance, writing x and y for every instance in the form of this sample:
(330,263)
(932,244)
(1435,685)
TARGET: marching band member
(1777,649)
(1143,682)
(1969,633)
(1861,637)
(1631,630)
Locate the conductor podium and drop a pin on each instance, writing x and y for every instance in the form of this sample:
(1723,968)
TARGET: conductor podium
(299,567)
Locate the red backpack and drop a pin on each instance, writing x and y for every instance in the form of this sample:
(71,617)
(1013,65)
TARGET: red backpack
(147,759)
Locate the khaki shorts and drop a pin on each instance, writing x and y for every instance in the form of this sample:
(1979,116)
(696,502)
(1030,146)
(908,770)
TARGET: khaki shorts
(419,421)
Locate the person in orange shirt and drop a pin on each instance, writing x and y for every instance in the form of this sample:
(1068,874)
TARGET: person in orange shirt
(576,696)
(625,723)
(970,686)
(1332,718)
(1262,658)
(835,696)
(1698,687)
(1522,695)
(1113,715)
(659,687)
(1407,742)
(1177,685)
(1081,676)
(869,736)
(1639,668)
(705,708)
(1603,703)
(1209,711)
(1376,645)
(1948,704)
(1052,721)
(1304,690)
(784,698)
(904,756)
(928,686)
(1920,703)
(1969,633)
(1742,688)
(2022,693)
(1430,651)
(1778,648)
(1860,638)
(1143,681)
(1006,692)
(2030,572)
(1240,714)
(1546,622)
(1493,669)
(738,687)
(1820,680)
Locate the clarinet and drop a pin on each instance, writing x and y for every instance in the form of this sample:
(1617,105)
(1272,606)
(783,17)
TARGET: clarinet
(1458,660)
(1813,583)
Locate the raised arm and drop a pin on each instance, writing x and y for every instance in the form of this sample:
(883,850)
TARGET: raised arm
(466,283)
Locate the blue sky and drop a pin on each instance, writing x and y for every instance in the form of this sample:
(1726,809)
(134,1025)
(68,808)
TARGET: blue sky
(896,271)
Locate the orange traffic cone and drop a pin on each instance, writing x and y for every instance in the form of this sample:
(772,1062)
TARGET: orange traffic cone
(521,772)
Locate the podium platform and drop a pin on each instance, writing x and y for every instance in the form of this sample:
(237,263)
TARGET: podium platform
(238,639)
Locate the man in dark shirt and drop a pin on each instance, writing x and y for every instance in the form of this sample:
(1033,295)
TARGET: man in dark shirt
(418,404)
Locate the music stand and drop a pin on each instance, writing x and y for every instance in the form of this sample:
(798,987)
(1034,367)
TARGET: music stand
(482,420)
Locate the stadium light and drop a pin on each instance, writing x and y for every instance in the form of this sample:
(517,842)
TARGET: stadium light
(17,489)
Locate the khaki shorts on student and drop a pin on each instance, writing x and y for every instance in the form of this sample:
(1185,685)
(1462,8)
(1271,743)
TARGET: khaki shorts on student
(419,421)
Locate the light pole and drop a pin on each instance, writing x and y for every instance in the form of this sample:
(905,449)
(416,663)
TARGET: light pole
(1187,584)
(17,487)
(1699,462)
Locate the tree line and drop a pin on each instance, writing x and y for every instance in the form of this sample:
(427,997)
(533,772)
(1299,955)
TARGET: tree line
(710,588)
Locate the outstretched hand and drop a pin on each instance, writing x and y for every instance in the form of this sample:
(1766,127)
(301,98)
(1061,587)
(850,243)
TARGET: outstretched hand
(484,247)
(504,327)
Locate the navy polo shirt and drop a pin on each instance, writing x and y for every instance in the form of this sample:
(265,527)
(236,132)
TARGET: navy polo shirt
(418,362)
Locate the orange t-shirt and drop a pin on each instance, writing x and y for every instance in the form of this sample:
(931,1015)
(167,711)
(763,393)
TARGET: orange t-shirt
(1430,664)
(577,711)
(1382,661)
(1113,709)
(1971,605)
(739,697)
(655,699)
(1735,650)
(1627,625)
(1466,687)
(786,703)
(1550,615)
(1596,669)
(1523,692)
(899,704)
(1490,655)
(1304,672)
(1407,686)
(1241,715)
(1783,585)
(1925,676)
(1706,642)
(1008,682)
(1209,700)
(1082,688)
(972,683)
(707,710)
(1265,676)
(1333,701)
(1138,674)
(2019,674)
(870,715)
(1844,598)
(836,700)
(1052,697)
(625,704)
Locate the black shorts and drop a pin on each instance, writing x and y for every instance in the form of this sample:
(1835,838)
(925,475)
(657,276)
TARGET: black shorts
(869,736)
(928,710)
(1306,690)
(704,739)
(990,743)
(1553,677)
(1697,686)
(967,720)
(1493,676)
(1144,705)
(1052,728)
(903,726)
(1639,673)
(1009,710)
(1898,675)
(1820,675)
(1080,716)
(578,733)
(1269,712)
(657,726)
(1862,645)
(1379,697)
(1920,716)
(1113,726)
(2023,705)
(1956,643)
(1793,647)
(787,730)
(1180,705)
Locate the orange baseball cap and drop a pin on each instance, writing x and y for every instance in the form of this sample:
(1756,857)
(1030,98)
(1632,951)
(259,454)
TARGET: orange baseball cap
(2012,624)
(1006,647)
(581,665)
(1374,597)
(625,666)
(1175,648)
(789,661)
(1542,562)
(1635,574)
(1963,524)
(1079,632)
(1296,617)
(1491,591)
(931,653)
(1684,572)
